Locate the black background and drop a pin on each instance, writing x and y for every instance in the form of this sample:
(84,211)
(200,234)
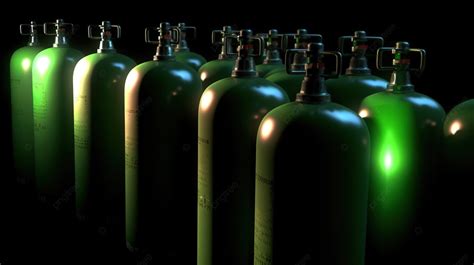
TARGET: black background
(28,236)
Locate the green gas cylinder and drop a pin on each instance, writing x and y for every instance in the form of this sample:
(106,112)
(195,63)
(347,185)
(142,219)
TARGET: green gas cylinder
(358,82)
(406,129)
(98,82)
(291,83)
(161,103)
(221,68)
(22,105)
(273,46)
(459,168)
(181,49)
(311,206)
(230,111)
(53,117)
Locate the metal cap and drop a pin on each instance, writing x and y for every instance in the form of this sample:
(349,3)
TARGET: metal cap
(164,50)
(401,65)
(359,47)
(313,88)
(245,64)
(30,30)
(220,38)
(180,35)
(274,43)
(62,32)
(301,40)
(105,35)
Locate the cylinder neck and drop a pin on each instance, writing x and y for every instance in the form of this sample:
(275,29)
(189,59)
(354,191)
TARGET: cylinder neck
(106,45)
(301,42)
(400,80)
(245,64)
(182,44)
(313,88)
(61,39)
(272,55)
(358,63)
(164,51)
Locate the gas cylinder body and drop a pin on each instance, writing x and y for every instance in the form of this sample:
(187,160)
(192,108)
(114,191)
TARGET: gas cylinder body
(358,82)
(230,111)
(22,112)
(161,101)
(53,122)
(99,81)
(406,129)
(311,179)
(458,167)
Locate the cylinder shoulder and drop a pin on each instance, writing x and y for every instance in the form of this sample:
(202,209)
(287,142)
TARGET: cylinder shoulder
(328,119)
(248,88)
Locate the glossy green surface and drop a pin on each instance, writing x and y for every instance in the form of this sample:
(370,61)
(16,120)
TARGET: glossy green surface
(22,112)
(458,137)
(274,71)
(53,121)
(216,70)
(191,59)
(406,129)
(290,83)
(311,185)
(458,169)
(264,69)
(99,81)
(350,90)
(230,112)
(161,101)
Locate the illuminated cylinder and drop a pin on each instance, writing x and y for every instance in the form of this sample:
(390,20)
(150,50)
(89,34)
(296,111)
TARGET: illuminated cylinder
(53,119)
(405,129)
(99,81)
(22,105)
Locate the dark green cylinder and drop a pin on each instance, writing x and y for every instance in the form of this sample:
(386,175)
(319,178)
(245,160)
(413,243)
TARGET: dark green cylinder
(458,168)
(161,102)
(230,111)
(358,82)
(99,81)
(406,130)
(22,106)
(53,120)
(311,179)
